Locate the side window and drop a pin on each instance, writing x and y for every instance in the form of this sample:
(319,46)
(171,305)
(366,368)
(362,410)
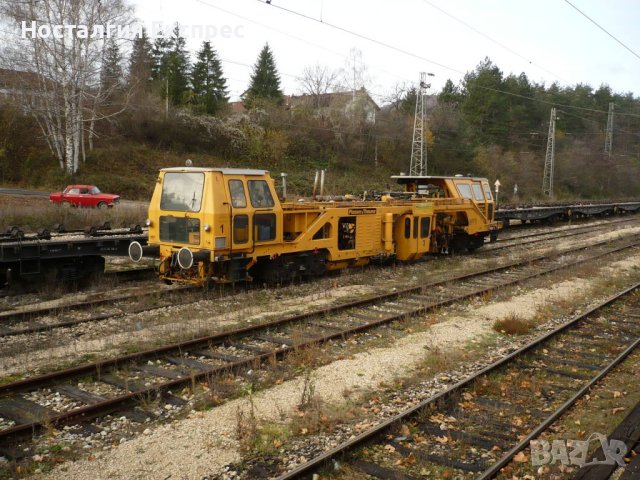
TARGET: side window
(74,191)
(465,190)
(84,191)
(425,223)
(238,198)
(487,191)
(477,192)
(407,228)
(240,229)
(264,225)
(324,232)
(347,233)
(415,228)
(260,194)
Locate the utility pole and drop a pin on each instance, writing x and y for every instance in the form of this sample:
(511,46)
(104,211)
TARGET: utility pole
(608,139)
(166,99)
(547,181)
(418,166)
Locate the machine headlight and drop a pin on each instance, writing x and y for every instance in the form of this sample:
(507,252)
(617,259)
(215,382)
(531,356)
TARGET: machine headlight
(147,222)
(207,227)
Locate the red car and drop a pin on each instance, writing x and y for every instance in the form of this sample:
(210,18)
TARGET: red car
(84,196)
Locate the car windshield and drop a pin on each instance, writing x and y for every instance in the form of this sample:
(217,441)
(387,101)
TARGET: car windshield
(94,190)
(182,191)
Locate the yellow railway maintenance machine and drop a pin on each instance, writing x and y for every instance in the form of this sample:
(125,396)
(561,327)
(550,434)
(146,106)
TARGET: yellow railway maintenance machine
(226,225)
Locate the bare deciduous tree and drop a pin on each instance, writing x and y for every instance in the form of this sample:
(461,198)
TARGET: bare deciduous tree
(397,95)
(56,66)
(316,81)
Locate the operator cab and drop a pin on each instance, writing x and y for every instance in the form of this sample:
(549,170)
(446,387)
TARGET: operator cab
(475,189)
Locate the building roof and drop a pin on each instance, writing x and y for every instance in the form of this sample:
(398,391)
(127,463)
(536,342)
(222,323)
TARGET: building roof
(13,78)
(326,99)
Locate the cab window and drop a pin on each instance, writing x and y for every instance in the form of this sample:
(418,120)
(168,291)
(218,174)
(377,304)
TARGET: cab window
(425,223)
(465,190)
(265,226)
(238,198)
(323,233)
(487,191)
(407,228)
(260,194)
(182,191)
(240,229)
(477,192)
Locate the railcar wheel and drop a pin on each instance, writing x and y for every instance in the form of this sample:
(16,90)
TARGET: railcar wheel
(459,244)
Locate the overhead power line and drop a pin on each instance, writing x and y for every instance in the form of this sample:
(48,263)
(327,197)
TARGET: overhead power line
(601,27)
(287,34)
(364,37)
(491,39)
(411,54)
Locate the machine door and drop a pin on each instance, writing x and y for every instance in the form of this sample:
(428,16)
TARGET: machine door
(406,234)
(265,228)
(478,197)
(490,203)
(424,233)
(240,213)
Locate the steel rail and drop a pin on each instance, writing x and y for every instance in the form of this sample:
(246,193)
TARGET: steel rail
(27,314)
(100,317)
(108,406)
(84,304)
(572,228)
(358,441)
(81,370)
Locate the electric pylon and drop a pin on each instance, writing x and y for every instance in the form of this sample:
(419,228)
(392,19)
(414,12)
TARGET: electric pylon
(418,166)
(547,181)
(608,139)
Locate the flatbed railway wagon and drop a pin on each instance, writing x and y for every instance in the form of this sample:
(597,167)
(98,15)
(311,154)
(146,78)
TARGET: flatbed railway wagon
(226,225)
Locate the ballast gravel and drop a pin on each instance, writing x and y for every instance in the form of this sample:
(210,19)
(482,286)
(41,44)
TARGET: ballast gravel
(204,443)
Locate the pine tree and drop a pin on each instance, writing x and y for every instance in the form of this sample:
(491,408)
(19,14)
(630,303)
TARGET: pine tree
(209,86)
(111,71)
(178,68)
(141,62)
(171,67)
(265,81)
(159,55)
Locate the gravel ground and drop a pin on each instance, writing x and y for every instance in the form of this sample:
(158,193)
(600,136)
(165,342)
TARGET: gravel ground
(195,317)
(35,353)
(205,442)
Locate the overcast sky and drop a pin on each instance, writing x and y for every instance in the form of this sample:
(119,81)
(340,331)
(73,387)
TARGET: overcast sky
(547,39)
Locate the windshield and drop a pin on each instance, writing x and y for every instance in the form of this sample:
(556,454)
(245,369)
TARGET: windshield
(182,191)
(94,190)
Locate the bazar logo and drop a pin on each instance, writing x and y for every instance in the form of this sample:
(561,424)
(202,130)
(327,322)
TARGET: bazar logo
(574,452)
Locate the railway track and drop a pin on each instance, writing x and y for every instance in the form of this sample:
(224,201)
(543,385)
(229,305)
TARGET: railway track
(478,426)
(510,235)
(25,321)
(627,432)
(87,301)
(154,373)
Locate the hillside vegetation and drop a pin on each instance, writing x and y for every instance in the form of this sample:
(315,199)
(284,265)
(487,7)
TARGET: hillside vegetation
(160,108)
